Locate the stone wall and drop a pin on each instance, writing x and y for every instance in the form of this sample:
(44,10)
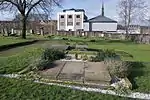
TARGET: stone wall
(34,27)
(138,38)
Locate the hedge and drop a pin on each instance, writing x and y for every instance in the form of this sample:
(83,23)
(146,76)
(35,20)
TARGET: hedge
(9,46)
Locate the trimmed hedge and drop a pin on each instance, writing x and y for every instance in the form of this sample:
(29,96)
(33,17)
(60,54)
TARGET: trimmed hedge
(102,55)
(9,46)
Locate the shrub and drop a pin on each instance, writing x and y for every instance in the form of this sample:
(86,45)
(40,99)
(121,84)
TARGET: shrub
(65,38)
(85,37)
(81,43)
(117,68)
(104,54)
(124,54)
(67,43)
(76,55)
(85,57)
(39,64)
(50,36)
(47,57)
(92,40)
(95,50)
(15,35)
(53,54)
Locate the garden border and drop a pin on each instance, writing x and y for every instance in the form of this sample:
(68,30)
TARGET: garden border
(134,95)
(10,46)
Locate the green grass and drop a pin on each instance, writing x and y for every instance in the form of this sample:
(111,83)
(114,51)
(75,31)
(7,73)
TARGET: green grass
(140,52)
(10,40)
(11,89)
(16,59)
(18,62)
(140,77)
(21,49)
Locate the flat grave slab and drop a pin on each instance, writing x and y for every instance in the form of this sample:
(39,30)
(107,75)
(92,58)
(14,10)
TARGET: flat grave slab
(88,72)
(73,68)
(72,71)
(96,72)
(54,70)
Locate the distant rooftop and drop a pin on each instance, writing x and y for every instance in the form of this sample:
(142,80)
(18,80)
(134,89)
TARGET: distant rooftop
(76,10)
(102,19)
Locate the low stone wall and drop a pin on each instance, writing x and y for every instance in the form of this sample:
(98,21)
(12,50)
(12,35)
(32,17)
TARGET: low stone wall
(138,38)
(141,38)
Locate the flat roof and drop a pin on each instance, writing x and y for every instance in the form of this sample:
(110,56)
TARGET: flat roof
(76,10)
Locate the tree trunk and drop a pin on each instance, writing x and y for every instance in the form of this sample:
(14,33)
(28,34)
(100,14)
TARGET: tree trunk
(8,33)
(127,32)
(23,22)
(3,31)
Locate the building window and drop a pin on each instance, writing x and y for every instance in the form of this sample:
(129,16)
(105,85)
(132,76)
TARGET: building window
(62,23)
(70,23)
(78,16)
(62,16)
(78,23)
(70,16)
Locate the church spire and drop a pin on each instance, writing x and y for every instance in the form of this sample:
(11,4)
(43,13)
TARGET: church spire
(102,8)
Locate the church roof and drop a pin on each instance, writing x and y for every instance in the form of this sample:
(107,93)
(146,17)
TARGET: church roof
(102,19)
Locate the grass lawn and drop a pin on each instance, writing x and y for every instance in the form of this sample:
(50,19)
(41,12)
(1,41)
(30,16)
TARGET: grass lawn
(11,89)
(19,58)
(10,40)
(21,49)
(140,78)
(16,59)
(16,63)
(140,52)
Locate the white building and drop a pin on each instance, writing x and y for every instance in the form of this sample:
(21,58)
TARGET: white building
(71,20)
(75,19)
(100,23)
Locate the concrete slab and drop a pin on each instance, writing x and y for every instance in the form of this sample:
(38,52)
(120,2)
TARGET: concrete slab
(73,68)
(88,72)
(96,72)
(54,70)
(72,71)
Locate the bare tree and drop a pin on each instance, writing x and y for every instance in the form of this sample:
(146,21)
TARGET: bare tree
(24,7)
(131,10)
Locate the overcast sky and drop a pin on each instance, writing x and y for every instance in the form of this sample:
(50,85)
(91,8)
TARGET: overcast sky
(92,8)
